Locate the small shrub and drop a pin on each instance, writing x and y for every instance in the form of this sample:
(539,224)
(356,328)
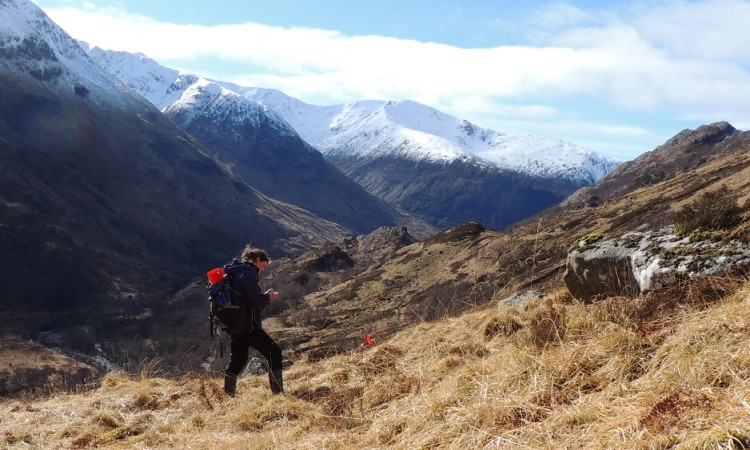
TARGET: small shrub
(107,420)
(647,179)
(547,324)
(620,310)
(383,359)
(310,316)
(714,210)
(593,201)
(669,410)
(145,399)
(502,325)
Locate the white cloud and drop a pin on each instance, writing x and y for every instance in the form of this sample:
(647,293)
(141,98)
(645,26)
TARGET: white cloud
(708,30)
(559,15)
(686,56)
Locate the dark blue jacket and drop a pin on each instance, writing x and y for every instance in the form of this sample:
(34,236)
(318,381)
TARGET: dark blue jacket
(247,295)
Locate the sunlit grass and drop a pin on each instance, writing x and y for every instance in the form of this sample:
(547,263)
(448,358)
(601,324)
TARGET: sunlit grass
(481,380)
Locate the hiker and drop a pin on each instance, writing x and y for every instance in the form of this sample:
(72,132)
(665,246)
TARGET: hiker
(248,332)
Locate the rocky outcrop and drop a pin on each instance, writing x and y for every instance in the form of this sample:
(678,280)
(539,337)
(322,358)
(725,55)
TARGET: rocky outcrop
(638,262)
(329,258)
(687,150)
(332,263)
(384,241)
(601,269)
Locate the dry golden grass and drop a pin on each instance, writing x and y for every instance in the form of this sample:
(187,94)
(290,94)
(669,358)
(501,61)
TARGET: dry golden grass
(26,363)
(491,378)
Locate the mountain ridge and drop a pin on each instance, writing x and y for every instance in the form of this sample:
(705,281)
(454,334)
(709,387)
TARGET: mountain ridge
(411,156)
(320,126)
(467,266)
(385,282)
(94,179)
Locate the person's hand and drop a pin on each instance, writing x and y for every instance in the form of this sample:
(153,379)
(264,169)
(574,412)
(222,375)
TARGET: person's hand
(272,294)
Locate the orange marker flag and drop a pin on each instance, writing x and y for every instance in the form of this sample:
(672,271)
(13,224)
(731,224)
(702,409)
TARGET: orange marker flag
(368,341)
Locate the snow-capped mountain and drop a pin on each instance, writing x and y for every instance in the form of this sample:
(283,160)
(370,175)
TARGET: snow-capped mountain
(237,112)
(370,127)
(420,132)
(30,42)
(410,155)
(102,197)
(256,142)
(172,91)
(159,85)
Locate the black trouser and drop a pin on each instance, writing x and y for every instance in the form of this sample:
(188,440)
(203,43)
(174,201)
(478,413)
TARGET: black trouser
(257,339)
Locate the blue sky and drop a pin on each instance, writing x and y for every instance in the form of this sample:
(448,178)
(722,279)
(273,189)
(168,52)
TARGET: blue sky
(617,77)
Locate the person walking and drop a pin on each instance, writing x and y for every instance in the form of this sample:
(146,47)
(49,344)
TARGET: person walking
(248,331)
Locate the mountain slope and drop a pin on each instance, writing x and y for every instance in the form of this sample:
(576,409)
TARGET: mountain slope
(475,381)
(384,282)
(468,265)
(685,151)
(450,193)
(257,144)
(411,156)
(430,135)
(416,157)
(103,199)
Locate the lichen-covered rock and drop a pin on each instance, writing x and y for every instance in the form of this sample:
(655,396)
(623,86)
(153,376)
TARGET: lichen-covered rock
(601,269)
(519,298)
(639,262)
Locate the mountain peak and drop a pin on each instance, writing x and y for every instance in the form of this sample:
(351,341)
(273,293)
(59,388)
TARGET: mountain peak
(30,43)
(715,132)
(376,128)
(420,132)
(156,83)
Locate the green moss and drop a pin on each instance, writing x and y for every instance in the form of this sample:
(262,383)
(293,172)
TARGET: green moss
(700,235)
(586,241)
(120,433)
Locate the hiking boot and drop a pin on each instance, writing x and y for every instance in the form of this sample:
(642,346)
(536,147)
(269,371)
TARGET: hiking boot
(276,381)
(230,384)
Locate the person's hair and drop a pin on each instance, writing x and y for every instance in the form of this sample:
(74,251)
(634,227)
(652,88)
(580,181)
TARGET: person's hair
(252,254)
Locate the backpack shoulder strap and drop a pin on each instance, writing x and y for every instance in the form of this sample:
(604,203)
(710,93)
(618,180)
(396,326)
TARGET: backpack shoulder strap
(230,271)
(235,267)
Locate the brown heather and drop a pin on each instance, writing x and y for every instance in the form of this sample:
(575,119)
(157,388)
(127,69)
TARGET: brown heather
(666,371)
(552,373)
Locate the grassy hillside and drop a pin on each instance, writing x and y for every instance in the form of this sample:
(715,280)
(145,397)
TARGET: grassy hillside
(550,373)
(449,367)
